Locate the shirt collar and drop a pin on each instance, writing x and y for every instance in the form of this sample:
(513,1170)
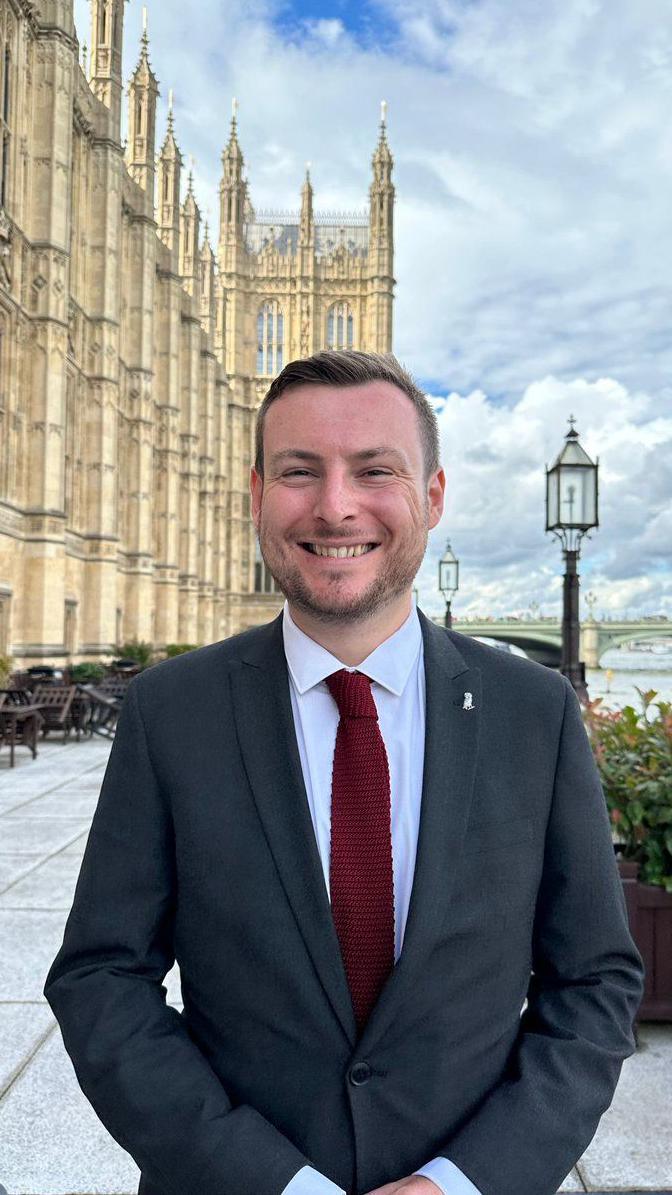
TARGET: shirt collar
(389,664)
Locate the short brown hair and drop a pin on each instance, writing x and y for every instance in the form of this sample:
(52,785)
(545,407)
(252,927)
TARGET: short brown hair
(347,367)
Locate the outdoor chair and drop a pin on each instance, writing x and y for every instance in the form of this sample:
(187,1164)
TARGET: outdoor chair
(55,703)
(17,696)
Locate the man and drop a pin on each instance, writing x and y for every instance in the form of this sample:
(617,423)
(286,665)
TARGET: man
(367,842)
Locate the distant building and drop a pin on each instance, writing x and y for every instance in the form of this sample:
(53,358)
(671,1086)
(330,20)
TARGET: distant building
(133,355)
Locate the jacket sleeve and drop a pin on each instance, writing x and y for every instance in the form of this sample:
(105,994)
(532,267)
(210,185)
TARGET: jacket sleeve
(585,990)
(147,1080)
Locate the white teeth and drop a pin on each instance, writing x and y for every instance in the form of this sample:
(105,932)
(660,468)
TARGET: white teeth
(341,553)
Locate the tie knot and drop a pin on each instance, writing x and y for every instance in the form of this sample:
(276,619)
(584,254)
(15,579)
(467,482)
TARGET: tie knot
(352,693)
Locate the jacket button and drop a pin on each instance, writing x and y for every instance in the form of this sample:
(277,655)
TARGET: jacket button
(360,1073)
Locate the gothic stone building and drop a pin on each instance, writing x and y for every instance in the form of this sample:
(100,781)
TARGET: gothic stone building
(133,355)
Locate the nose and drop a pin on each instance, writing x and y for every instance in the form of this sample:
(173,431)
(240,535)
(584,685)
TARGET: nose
(335,499)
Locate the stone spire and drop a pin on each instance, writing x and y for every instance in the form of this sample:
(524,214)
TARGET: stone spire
(190,227)
(306,226)
(232,190)
(107,38)
(143,91)
(170,168)
(208,292)
(380,257)
(381,191)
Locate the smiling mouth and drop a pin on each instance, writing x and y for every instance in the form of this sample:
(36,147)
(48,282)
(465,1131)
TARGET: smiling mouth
(351,553)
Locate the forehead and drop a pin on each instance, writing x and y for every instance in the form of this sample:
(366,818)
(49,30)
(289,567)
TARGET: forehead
(344,413)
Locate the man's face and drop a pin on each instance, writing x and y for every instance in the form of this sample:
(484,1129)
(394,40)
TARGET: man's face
(343,467)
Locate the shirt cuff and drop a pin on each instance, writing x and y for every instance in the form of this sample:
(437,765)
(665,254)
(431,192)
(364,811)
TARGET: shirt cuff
(310,1182)
(448,1177)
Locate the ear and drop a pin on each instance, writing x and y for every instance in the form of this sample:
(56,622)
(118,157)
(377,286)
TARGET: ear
(436,490)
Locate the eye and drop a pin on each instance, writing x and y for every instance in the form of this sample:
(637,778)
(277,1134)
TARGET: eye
(297,473)
(380,472)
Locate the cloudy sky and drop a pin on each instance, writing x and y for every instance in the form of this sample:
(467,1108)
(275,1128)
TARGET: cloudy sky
(533,167)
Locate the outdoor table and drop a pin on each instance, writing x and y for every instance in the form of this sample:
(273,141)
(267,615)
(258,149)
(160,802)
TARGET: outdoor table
(30,719)
(105,709)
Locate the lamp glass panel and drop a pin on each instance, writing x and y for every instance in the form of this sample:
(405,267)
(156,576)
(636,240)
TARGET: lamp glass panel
(573,497)
(552,497)
(447,575)
(590,497)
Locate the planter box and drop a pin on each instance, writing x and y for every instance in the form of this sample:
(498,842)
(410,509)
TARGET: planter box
(650,917)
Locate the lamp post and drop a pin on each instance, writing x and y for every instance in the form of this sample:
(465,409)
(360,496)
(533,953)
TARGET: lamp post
(449,574)
(571,512)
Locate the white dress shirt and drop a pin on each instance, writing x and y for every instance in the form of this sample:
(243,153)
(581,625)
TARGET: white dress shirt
(397,670)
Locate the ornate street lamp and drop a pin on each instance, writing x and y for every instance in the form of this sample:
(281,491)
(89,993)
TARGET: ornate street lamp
(449,573)
(571,513)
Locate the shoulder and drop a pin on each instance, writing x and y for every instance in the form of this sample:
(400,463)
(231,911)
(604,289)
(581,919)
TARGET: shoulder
(200,669)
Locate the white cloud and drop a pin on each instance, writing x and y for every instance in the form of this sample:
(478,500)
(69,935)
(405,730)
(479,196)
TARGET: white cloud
(495,459)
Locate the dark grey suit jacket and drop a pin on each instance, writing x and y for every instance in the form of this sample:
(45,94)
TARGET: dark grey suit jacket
(202,850)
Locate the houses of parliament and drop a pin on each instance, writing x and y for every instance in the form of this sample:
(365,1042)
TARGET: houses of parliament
(135,349)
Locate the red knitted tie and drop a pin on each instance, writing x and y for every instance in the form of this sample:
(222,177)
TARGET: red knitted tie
(360,877)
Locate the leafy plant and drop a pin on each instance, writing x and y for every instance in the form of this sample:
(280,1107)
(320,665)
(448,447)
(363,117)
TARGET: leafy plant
(634,757)
(136,649)
(5,670)
(178,649)
(87,673)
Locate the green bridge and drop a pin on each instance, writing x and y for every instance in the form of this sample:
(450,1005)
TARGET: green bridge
(541,637)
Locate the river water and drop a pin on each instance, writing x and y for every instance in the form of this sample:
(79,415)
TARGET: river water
(623,671)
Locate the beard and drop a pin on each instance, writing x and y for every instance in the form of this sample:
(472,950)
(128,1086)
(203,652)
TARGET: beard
(394,578)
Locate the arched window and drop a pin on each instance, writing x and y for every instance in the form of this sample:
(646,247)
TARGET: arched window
(340,327)
(139,107)
(270,338)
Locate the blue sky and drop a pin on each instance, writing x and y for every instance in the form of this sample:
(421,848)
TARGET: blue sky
(370,25)
(533,167)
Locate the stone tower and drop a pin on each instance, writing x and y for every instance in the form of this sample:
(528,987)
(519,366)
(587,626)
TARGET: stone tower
(133,355)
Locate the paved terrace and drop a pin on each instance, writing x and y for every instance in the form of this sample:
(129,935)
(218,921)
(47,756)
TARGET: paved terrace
(51,1142)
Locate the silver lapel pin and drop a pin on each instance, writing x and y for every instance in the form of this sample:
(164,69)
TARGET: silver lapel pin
(468,703)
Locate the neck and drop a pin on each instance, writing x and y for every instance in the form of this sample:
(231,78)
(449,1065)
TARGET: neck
(352,641)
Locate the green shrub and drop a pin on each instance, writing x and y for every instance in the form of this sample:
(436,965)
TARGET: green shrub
(634,757)
(84,674)
(178,649)
(5,671)
(136,649)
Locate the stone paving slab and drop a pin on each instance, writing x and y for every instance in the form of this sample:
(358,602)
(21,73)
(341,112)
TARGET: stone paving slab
(51,885)
(632,1148)
(39,835)
(15,799)
(29,942)
(78,846)
(64,802)
(52,1141)
(13,866)
(22,1029)
(572,1183)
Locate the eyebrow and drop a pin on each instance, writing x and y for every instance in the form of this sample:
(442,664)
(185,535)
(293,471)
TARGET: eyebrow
(366,454)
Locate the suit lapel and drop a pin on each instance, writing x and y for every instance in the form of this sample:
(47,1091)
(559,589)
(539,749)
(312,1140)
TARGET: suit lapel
(265,728)
(451,744)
